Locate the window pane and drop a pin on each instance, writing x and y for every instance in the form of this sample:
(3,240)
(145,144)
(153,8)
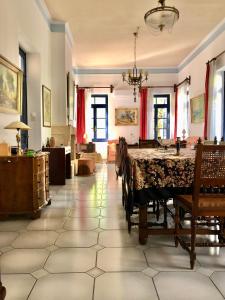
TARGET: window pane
(160,133)
(160,123)
(101,113)
(100,100)
(161,100)
(162,113)
(101,134)
(101,123)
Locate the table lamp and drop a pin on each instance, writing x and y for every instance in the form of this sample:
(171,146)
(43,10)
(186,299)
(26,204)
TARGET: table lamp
(18,126)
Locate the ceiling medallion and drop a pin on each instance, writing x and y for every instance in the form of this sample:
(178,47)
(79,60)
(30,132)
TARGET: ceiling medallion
(135,77)
(162,17)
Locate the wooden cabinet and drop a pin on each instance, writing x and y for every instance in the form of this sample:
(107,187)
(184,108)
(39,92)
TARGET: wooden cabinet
(59,164)
(24,184)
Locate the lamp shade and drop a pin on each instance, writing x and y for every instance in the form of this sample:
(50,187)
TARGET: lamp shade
(17,125)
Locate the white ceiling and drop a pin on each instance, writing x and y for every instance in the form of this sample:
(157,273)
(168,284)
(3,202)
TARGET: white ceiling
(103,31)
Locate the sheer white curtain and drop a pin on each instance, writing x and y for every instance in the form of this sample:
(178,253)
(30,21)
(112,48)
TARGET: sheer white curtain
(183,109)
(215,106)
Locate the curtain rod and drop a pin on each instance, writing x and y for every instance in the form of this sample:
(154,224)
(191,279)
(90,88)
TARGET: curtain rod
(214,58)
(187,79)
(158,86)
(111,87)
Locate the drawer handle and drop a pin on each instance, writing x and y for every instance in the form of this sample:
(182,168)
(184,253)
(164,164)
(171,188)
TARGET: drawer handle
(9,161)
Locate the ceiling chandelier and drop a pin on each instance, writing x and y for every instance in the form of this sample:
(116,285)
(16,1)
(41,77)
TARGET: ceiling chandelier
(135,77)
(162,17)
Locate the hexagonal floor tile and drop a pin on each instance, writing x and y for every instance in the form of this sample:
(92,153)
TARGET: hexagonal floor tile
(81,224)
(71,260)
(85,212)
(121,286)
(23,260)
(6,238)
(35,239)
(168,259)
(219,278)
(77,239)
(121,259)
(185,286)
(46,224)
(118,238)
(63,286)
(17,286)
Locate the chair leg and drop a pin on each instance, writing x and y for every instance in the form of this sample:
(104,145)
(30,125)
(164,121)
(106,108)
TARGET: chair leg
(177,221)
(165,213)
(143,225)
(193,238)
(157,210)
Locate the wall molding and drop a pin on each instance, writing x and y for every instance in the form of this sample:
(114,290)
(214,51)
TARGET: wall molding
(209,39)
(90,71)
(54,26)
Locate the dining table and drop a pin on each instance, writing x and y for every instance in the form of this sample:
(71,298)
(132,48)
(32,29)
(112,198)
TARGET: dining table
(159,169)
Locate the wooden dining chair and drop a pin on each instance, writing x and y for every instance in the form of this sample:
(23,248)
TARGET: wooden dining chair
(2,291)
(206,205)
(148,143)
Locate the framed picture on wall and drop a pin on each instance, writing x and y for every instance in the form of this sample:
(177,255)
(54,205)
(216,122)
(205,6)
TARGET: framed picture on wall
(70,97)
(46,106)
(198,109)
(11,79)
(126,116)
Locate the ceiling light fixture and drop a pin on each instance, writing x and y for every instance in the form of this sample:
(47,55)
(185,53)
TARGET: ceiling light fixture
(135,77)
(162,17)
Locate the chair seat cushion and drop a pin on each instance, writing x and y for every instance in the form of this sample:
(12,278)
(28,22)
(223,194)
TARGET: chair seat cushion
(209,201)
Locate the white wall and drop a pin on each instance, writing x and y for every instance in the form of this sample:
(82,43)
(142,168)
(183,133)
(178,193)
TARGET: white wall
(197,69)
(21,24)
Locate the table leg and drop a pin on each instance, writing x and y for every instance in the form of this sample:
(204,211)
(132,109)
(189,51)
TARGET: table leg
(143,225)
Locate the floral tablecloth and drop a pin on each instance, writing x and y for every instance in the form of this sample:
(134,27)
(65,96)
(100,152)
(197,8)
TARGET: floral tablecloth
(159,168)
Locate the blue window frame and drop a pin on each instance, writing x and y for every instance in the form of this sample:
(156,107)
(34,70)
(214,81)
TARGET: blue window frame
(162,116)
(100,118)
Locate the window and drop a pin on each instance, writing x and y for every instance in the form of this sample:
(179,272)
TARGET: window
(99,105)
(161,116)
(23,117)
(183,110)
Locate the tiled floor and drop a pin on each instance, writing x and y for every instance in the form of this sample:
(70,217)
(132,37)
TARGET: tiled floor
(80,250)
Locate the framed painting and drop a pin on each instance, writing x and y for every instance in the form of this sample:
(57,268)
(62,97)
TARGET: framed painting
(70,97)
(126,116)
(11,80)
(198,109)
(46,106)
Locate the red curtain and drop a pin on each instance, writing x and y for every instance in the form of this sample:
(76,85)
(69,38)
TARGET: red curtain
(175,114)
(206,98)
(143,113)
(80,116)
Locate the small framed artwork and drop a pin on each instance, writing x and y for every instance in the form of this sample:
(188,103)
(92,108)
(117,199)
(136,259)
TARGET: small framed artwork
(126,116)
(46,106)
(198,109)
(11,80)
(70,97)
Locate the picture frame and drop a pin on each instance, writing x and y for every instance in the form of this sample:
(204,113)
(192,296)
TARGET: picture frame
(198,109)
(70,97)
(46,106)
(126,116)
(11,82)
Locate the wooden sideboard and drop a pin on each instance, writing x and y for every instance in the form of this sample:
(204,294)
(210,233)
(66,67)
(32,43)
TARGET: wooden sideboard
(59,164)
(24,184)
